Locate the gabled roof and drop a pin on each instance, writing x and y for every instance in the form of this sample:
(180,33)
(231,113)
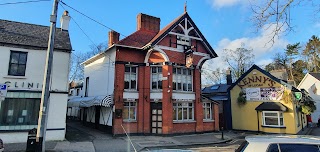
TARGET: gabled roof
(263,72)
(138,38)
(31,36)
(271,106)
(316,75)
(162,33)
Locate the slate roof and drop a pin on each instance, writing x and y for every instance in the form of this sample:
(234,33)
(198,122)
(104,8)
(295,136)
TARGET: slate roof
(271,106)
(222,88)
(316,75)
(31,36)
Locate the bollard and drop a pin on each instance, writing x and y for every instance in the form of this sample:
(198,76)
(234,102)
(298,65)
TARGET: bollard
(222,133)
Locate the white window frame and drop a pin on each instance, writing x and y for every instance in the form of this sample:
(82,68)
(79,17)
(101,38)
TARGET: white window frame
(158,76)
(204,107)
(278,117)
(129,75)
(182,77)
(130,106)
(179,105)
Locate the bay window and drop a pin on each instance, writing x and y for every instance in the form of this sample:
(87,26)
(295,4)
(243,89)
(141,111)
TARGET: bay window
(183,111)
(272,118)
(130,78)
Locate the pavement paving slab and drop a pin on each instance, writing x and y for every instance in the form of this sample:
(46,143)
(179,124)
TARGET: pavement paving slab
(67,146)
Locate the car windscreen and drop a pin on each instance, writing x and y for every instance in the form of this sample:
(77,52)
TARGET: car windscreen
(293,147)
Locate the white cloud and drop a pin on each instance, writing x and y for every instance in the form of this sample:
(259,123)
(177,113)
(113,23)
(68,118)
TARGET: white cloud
(224,3)
(260,44)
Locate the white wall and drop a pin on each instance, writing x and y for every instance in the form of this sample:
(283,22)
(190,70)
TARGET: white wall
(307,84)
(101,74)
(34,75)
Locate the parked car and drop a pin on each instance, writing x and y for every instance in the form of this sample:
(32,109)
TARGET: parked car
(1,145)
(282,143)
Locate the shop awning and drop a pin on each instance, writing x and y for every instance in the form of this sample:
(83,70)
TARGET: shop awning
(271,106)
(105,101)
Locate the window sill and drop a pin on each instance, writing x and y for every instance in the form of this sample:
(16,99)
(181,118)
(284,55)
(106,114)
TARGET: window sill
(208,120)
(15,77)
(129,121)
(177,122)
(128,90)
(186,92)
(155,91)
(273,126)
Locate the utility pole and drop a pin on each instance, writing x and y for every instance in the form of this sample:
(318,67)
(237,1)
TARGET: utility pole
(45,102)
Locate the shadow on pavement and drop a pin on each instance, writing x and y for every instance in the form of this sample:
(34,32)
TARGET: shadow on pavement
(75,135)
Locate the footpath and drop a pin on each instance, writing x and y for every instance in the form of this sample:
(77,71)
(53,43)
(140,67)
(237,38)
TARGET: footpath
(85,139)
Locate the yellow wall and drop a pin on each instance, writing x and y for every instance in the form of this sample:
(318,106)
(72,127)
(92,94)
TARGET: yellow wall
(244,117)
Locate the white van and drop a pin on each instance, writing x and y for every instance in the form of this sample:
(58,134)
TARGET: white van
(280,143)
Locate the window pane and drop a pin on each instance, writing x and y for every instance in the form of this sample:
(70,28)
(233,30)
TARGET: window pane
(185,113)
(160,84)
(160,69)
(154,70)
(184,86)
(133,69)
(271,114)
(299,148)
(281,121)
(21,70)
(184,71)
(127,69)
(271,121)
(133,84)
(154,85)
(190,114)
(13,69)
(174,114)
(14,57)
(125,113)
(174,71)
(132,113)
(126,85)
(179,113)
(178,70)
(23,58)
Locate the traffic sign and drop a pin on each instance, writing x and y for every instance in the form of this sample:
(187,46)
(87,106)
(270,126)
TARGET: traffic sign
(3,90)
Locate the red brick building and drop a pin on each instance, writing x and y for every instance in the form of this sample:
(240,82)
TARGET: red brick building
(157,78)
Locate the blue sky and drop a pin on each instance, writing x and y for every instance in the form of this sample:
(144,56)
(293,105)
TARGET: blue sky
(224,23)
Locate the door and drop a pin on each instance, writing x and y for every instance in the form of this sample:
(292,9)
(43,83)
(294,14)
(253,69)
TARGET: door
(156,118)
(97,116)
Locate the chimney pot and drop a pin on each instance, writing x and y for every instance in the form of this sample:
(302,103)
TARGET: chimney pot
(147,22)
(113,38)
(65,20)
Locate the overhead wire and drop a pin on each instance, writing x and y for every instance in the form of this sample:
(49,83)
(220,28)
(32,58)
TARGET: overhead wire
(86,35)
(23,2)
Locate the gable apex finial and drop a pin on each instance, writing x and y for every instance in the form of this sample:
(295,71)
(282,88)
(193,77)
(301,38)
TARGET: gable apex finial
(185,7)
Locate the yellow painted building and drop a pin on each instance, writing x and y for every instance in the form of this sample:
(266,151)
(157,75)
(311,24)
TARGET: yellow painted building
(268,106)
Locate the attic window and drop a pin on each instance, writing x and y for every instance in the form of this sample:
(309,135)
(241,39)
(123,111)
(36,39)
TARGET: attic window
(214,87)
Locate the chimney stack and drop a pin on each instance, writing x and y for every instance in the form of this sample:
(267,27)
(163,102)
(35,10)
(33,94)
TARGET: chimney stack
(113,38)
(149,23)
(229,78)
(64,20)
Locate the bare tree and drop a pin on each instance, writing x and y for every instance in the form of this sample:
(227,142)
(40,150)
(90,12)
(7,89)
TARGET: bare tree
(311,52)
(239,60)
(276,14)
(76,69)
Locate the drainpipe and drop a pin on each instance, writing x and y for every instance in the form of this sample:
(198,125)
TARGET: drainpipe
(302,122)
(258,121)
